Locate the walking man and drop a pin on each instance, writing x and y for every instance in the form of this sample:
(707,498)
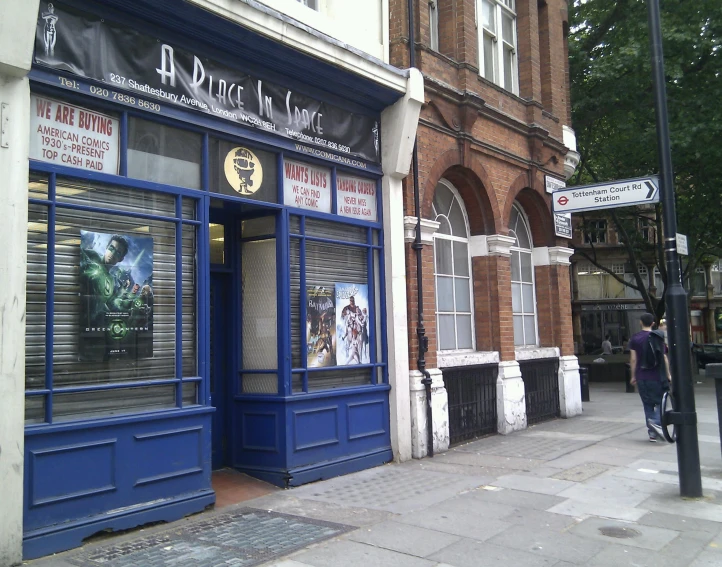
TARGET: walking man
(650,372)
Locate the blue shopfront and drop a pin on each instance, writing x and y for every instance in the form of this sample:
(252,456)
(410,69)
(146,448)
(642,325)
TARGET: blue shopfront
(205,276)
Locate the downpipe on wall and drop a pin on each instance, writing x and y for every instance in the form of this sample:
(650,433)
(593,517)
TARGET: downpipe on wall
(418,247)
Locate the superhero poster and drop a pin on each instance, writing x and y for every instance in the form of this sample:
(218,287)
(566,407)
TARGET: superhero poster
(320,327)
(352,329)
(116,295)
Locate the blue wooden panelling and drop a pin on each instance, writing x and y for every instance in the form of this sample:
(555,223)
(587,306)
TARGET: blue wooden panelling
(315,427)
(366,419)
(260,431)
(114,474)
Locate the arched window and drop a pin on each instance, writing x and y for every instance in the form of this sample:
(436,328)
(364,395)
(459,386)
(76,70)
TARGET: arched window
(523,297)
(452,271)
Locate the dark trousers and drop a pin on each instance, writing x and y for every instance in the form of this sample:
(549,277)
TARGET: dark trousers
(651,393)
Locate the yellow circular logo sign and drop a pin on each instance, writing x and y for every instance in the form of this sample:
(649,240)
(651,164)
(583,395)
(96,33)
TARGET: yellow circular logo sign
(243,171)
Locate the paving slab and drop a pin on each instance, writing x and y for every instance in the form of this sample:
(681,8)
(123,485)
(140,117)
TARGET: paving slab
(681,552)
(470,553)
(285,503)
(619,495)
(473,458)
(623,533)
(531,484)
(582,472)
(670,503)
(516,498)
(354,554)
(580,509)
(404,538)
(555,544)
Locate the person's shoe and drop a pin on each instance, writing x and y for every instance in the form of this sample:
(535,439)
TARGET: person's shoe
(652,438)
(656,428)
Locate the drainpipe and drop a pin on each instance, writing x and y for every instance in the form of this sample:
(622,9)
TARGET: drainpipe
(417,247)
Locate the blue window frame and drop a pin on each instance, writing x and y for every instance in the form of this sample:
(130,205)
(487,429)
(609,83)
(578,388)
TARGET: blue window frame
(186,223)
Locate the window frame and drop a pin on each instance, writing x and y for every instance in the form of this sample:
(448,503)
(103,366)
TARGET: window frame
(500,46)
(456,198)
(517,248)
(434,25)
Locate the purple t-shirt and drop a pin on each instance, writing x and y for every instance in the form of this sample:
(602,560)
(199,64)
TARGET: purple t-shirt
(636,344)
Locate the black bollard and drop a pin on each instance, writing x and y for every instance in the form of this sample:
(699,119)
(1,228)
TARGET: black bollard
(715,371)
(584,382)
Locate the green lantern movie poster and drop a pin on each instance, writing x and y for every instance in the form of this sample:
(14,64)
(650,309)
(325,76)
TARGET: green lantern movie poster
(320,327)
(116,293)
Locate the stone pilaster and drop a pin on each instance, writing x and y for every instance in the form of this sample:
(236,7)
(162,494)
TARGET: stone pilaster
(440,414)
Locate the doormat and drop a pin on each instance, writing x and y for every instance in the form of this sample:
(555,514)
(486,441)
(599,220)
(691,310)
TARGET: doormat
(240,538)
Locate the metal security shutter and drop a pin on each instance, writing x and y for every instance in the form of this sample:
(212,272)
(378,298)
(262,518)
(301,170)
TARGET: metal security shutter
(326,264)
(68,369)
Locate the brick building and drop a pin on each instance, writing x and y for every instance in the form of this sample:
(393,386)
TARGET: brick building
(494,135)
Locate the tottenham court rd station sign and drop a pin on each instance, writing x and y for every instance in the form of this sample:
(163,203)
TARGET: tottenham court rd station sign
(642,191)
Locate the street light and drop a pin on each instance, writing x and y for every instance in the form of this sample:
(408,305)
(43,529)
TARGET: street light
(685,416)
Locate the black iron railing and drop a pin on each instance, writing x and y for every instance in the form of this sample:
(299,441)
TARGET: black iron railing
(541,384)
(472,401)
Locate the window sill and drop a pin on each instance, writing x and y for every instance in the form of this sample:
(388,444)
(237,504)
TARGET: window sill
(454,358)
(535,352)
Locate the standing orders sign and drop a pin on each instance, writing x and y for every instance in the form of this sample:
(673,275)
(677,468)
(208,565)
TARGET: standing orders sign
(149,70)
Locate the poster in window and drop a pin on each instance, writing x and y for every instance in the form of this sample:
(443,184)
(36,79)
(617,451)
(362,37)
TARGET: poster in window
(320,326)
(352,324)
(116,296)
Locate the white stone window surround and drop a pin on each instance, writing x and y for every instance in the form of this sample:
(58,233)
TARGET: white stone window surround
(535,352)
(497,43)
(454,359)
(453,230)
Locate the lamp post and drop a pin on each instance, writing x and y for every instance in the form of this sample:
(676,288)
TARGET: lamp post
(685,416)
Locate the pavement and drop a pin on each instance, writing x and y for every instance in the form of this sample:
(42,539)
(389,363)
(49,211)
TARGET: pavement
(589,491)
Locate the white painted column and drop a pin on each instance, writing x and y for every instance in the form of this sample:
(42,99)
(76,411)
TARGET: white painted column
(510,398)
(398,134)
(17,34)
(439,411)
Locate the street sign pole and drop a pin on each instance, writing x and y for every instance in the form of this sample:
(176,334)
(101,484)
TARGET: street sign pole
(690,479)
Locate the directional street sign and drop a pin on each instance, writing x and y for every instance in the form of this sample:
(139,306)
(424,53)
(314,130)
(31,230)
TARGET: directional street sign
(626,193)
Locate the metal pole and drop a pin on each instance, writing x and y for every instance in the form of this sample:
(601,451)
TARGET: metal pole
(690,479)
(418,247)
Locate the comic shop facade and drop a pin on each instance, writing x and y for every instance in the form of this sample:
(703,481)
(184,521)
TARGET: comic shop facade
(206,268)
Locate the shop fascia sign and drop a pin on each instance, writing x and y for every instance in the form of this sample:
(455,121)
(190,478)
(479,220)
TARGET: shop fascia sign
(147,68)
(625,193)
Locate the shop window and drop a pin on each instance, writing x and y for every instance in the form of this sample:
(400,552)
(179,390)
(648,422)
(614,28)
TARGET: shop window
(452,273)
(113,328)
(496,23)
(332,289)
(163,154)
(523,300)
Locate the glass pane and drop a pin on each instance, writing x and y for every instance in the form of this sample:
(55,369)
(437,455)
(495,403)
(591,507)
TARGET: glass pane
(444,294)
(528,291)
(516,298)
(489,63)
(342,378)
(513,221)
(522,234)
(463,330)
(104,403)
(189,208)
(456,218)
(260,330)
(190,393)
(295,303)
(189,316)
(515,266)
(242,171)
(526,275)
(507,28)
(336,231)
(518,330)
(38,187)
(443,198)
(462,295)
(442,250)
(259,383)
(529,329)
(34,409)
(508,68)
(461,259)
(487,15)
(297,383)
(118,198)
(115,284)
(262,226)
(446,333)
(35,289)
(444,226)
(162,154)
(218,243)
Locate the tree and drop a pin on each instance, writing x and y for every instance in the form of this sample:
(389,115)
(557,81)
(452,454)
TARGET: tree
(613,116)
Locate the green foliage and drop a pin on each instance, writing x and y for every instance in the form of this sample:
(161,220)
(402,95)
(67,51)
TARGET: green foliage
(613,105)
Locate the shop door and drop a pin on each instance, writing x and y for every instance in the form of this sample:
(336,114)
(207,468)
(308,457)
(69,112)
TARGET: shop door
(220,367)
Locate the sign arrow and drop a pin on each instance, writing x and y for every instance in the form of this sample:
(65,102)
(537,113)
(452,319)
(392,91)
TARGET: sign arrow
(624,193)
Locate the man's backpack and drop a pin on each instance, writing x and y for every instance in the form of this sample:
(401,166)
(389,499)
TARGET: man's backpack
(653,351)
